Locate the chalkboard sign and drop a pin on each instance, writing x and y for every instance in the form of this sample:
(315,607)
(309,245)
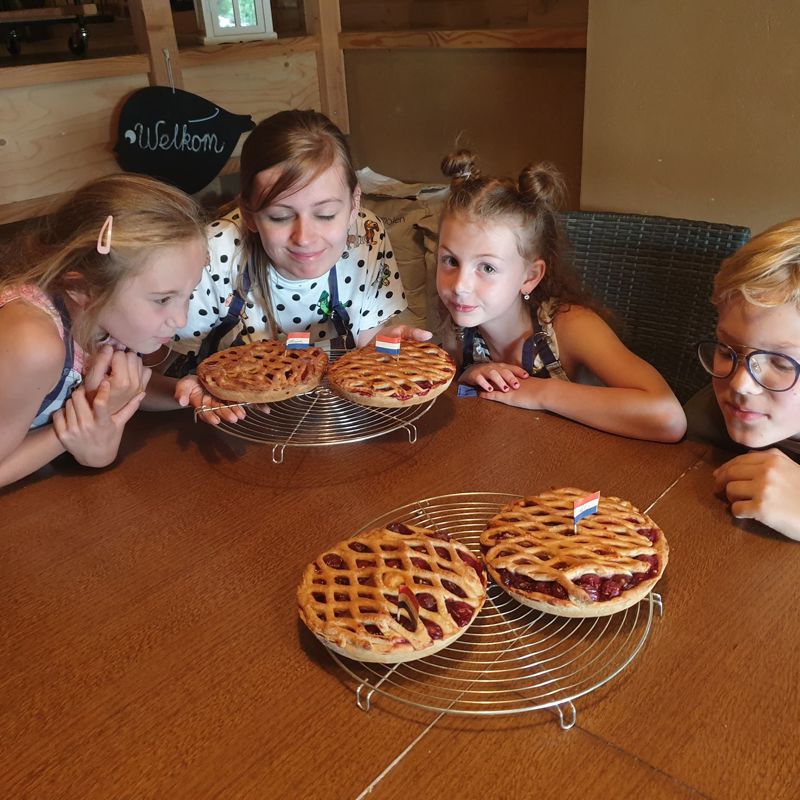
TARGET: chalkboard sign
(176,136)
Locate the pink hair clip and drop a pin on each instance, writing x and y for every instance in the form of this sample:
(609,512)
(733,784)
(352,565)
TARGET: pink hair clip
(104,237)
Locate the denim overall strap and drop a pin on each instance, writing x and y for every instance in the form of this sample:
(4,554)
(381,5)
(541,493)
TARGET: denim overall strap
(339,316)
(538,344)
(467,358)
(236,307)
(69,355)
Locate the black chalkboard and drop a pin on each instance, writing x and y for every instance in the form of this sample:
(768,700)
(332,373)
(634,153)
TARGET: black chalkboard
(176,136)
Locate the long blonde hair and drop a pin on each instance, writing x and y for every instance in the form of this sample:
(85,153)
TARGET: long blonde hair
(765,271)
(60,254)
(303,144)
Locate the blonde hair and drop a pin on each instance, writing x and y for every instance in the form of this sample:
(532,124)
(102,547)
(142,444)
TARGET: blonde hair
(60,253)
(303,144)
(765,271)
(530,207)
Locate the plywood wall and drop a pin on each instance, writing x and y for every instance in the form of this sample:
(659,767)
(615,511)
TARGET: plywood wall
(692,109)
(409,108)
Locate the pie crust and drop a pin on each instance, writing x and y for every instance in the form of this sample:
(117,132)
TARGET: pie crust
(616,558)
(348,596)
(262,372)
(419,373)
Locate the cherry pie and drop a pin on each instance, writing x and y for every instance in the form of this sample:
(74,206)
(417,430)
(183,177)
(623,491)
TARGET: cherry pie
(262,372)
(616,557)
(352,596)
(419,373)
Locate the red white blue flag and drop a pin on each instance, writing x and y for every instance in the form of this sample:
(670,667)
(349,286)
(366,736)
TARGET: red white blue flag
(295,341)
(585,506)
(388,344)
(407,601)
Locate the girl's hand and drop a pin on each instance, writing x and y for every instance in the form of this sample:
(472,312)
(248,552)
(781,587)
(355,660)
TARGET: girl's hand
(491,375)
(763,485)
(189,392)
(530,394)
(125,372)
(90,431)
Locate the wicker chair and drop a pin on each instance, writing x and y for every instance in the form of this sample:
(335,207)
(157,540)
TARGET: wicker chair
(656,275)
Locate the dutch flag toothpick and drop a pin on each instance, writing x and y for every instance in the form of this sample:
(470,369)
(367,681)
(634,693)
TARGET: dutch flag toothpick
(583,507)
(296,341)
(388,344)
(407,601)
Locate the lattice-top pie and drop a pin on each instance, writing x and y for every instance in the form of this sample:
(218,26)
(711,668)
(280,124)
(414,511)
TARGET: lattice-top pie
(616,557)
(262,372)
(351,597)
(419,373)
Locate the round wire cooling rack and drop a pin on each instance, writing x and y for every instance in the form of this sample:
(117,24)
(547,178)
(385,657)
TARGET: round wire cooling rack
(321,418)
(513,658)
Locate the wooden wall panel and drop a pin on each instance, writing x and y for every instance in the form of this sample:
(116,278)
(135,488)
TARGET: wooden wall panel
(57,136)
(258,87)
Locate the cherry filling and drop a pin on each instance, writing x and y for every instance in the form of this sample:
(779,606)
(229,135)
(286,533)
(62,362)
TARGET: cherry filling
(359,547)
(460,612)
(472,562)
(334,561)
(434,631)
(597,588)
(453,588)
(398,527)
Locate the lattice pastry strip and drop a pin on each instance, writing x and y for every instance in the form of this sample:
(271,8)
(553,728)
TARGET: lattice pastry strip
(615,558)
(262,372)
(349,596)
(419,373)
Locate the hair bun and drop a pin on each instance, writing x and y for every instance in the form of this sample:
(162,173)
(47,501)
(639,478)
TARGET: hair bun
(461,165)
(543,183)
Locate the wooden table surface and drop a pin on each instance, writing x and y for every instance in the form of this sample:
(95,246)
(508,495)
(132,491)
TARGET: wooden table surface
(151,646)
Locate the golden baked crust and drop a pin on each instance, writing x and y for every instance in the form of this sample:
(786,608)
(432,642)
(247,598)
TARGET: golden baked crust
(419,373)
(614,560)
(262,372)
(348,597)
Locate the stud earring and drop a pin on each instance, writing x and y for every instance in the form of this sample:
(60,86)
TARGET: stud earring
(526,296)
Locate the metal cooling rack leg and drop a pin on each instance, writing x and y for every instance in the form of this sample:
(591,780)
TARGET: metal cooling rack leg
(277,453)
(412,432)
(566,715)
(658,603)
(365,691)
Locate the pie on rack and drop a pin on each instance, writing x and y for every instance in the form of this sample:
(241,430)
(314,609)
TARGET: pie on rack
(352,597)
(262,372)
(532,551)
(419,373)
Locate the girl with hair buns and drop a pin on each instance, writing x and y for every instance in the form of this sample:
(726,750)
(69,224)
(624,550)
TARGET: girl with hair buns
(105,278)
(523,332)
(297,254)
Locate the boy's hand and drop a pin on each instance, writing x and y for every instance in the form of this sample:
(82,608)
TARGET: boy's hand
(491,375)
(763,485)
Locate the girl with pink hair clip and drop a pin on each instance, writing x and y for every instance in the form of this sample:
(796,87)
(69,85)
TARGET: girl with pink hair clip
(101,282)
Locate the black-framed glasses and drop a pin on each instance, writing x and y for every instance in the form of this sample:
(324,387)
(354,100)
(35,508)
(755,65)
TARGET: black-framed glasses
(774,371)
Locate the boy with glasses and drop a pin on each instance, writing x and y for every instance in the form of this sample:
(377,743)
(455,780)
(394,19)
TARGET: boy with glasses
(755,366)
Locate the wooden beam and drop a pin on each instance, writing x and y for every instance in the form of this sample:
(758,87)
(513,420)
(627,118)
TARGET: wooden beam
(78,70)
(201,56)
(48,14)
(562,38)
(324,21)
(154,33)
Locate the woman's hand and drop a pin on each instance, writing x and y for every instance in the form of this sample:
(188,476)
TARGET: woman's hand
(491,375)
(90,431)
(125,372)
(763,485)
(403,331)
(189,392)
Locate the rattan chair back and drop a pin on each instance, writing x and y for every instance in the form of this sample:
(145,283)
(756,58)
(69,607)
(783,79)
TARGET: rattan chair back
(656,275)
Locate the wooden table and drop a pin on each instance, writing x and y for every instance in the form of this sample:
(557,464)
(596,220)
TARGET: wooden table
(151,647)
